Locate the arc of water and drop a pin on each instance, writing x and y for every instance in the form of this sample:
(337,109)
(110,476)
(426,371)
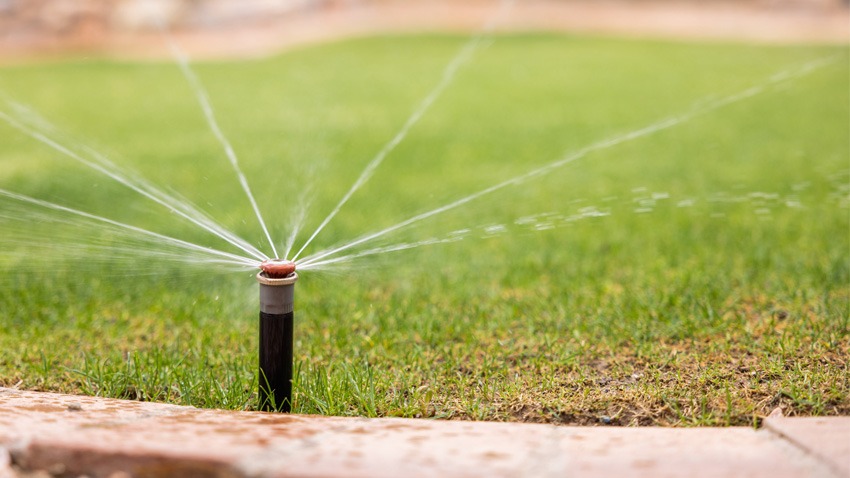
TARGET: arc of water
(203,99)
(465,53)
(129,178)
(378,250)
(184,208)
(703,107)
(122,252)
(231,258)
(139,185)
(297,222)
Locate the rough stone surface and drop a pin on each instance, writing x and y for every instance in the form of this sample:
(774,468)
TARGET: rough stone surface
(71,436)
(826,438)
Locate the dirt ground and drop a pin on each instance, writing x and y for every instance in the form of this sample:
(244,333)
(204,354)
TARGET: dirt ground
(763,22)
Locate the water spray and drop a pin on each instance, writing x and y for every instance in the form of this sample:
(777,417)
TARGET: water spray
(277,296)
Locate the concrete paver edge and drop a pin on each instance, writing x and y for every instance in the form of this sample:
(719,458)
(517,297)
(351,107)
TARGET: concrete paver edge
(548,457)
(770,426)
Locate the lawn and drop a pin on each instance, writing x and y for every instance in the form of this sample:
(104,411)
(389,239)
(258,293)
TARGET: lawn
(697,275)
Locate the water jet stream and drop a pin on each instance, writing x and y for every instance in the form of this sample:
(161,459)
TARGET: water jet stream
(379,250)
(112,255)
(230,258)
(762,204)
(129,179)
(701,107)
(75,238)
(465,53)
(203,99)
(297,222)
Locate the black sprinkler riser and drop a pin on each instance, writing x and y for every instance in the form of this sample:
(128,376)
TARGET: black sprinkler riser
(277,299)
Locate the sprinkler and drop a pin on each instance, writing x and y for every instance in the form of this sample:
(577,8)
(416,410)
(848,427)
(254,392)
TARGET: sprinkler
(277,295)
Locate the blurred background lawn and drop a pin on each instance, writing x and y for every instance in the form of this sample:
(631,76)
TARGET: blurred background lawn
(712,288)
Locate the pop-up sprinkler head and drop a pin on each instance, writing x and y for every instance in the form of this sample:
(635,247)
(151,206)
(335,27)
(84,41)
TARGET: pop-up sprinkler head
(277,268)
(277,297)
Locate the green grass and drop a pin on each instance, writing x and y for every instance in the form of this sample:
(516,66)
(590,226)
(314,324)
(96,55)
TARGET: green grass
(726,297)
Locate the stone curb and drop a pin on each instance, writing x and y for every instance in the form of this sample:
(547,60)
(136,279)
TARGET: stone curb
(828,439)
(73,436)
